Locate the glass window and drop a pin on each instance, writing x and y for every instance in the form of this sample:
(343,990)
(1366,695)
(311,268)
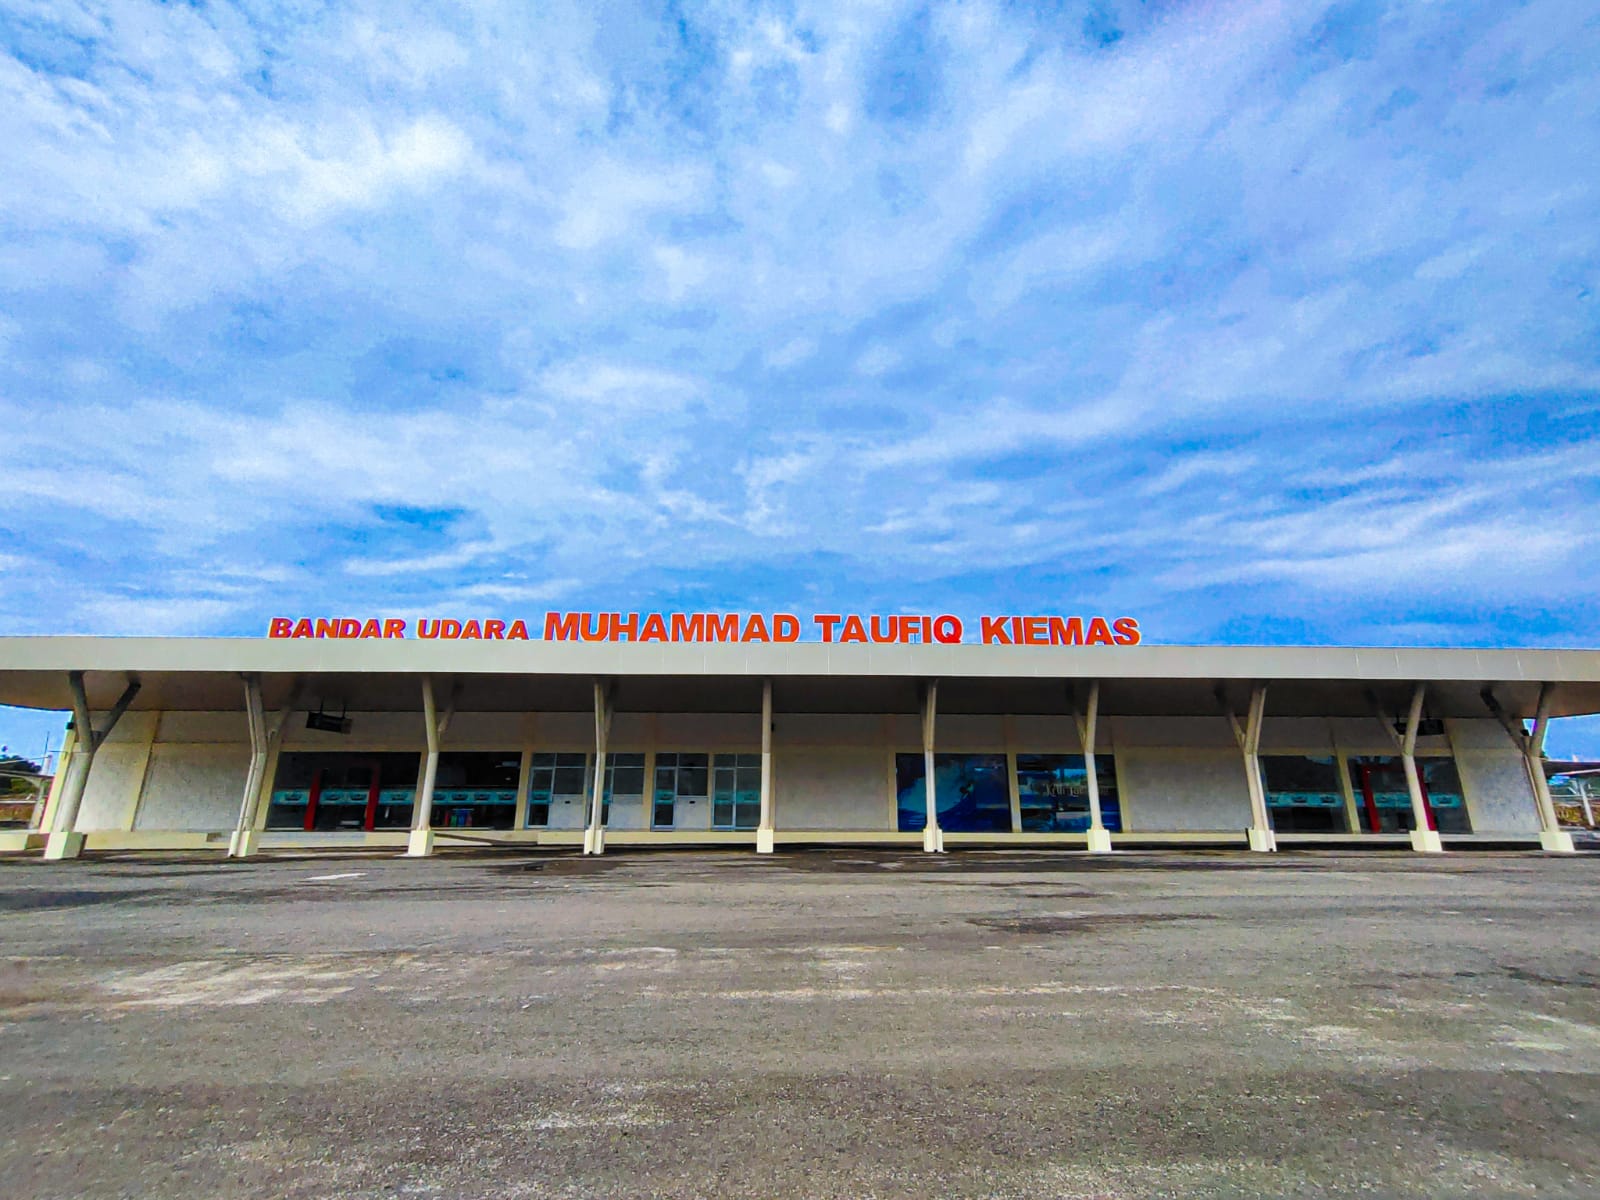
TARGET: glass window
(677,775)
(736,791)
(1383,801)
(1304,794)
(552,778)
(1054,792)
(973,792)
(343,790)
(476,790)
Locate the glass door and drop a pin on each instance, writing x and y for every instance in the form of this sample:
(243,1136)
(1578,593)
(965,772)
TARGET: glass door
(558,786)
(736,795)
(678,776)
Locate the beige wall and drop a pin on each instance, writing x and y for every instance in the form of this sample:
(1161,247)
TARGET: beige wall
(1176,788)
(193,786)
(843,788)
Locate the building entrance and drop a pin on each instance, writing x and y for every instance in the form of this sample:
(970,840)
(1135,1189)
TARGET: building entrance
(343,791)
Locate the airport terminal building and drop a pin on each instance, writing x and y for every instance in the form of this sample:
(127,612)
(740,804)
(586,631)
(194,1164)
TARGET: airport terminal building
(419,742)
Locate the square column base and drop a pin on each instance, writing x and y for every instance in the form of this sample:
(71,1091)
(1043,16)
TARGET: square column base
(1263,840)
(1099,840)
(764,841)
(1557,841)
(420,844)
(242,844)
(62,844)
(594,841)
(933,840)
(1426,841)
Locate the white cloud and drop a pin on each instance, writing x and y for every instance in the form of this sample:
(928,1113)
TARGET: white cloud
(1221,314)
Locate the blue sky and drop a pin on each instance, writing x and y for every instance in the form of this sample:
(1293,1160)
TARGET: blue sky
(1265,322)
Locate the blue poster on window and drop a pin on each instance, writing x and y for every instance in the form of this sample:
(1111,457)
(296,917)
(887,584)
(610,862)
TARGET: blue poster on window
(972,791)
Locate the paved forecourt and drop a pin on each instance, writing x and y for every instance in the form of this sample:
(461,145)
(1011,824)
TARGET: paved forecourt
(841,1023)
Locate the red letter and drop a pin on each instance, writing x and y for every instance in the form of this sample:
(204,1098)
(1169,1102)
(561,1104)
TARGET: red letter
(349,627)
(372,628)
(449,628)
(786,628)
(854,630)
(1127,631)
(755,629)
(327,627)
(426,630)
(471,629)
(394,627)
(1036,631)
(620,627)
(890,634)
(826,621)
(494,629)
(601,630)
(724,628)
(947,629)
(281,627)
(655,629)
(994,631)
(1099,632)
(561,627)
(1066,633)
(691,628)
(518,632)
(302,628)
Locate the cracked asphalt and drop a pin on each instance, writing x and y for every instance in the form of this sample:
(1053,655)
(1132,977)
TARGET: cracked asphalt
(827,1023)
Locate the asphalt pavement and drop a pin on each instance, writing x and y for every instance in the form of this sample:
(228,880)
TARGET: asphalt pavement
(827,1023)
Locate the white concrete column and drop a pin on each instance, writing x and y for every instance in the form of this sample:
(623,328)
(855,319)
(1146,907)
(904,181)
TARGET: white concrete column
(420,844)
(64,841)
(1262,837)
(765,832)
(1551,836)
(1424,840)
(244,840)
(932,835)
(1087,721)
(594,834)
(1248,736)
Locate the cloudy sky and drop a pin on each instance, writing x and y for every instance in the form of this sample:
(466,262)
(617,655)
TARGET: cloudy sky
(1262,321)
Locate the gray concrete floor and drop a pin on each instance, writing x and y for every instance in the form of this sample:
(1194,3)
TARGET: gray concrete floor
(851,1024)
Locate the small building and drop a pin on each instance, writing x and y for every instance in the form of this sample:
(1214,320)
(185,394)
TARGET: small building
(240,744)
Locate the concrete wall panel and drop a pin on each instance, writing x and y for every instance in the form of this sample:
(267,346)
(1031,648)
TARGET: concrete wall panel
(709,731)
(193,787)
(113,785)
(1182,789)
(134,727)
(1487,734)
(206,726)
(961,732)
(827,729)
(564,731)
(1053,735)
(489,730)
(905,731)
(830,789)
(1203,732)
(1499,794)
